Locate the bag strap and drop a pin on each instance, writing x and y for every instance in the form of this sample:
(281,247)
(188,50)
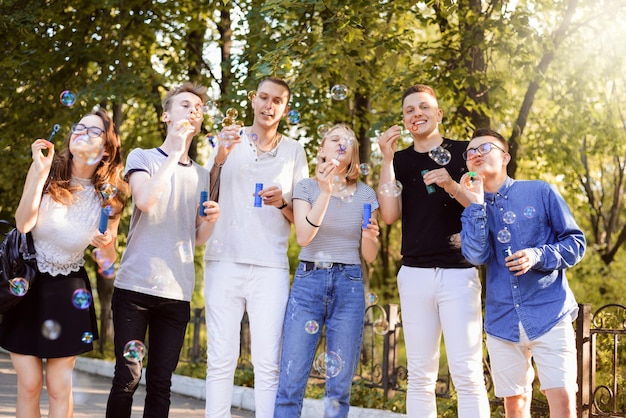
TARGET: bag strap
(2,221)
(7,223)
(30,246)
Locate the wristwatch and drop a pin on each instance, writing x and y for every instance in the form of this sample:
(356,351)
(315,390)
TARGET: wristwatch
(284,205)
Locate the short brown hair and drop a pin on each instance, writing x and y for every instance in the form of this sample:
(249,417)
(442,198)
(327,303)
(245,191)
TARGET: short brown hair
(278,81)
(418,88)
(492,133)
(188,87)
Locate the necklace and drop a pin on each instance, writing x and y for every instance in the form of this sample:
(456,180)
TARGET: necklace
(272,142)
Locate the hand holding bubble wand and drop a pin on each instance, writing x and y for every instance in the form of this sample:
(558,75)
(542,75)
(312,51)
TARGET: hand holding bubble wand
(108,191)
(441,156)
(107,265)
(230,134)
(472,185)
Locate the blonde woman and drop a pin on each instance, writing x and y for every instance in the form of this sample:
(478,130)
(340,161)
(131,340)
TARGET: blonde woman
(328,285)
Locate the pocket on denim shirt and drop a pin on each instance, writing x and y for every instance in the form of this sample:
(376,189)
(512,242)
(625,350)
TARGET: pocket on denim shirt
(531,231)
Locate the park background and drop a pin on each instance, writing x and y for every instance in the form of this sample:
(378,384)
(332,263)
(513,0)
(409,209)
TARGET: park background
(549,75)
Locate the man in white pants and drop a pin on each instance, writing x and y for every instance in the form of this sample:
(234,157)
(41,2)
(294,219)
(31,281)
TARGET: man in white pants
(246,264)
(439,290)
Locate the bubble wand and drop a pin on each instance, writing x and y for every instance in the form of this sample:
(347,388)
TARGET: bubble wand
(55,129)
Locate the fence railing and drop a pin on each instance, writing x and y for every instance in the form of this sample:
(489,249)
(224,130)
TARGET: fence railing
(601,358)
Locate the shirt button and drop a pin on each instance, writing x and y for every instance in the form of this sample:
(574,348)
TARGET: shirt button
(517,305)
(514,287)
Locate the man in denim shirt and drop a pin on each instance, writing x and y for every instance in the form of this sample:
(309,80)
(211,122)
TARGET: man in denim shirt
(526,236)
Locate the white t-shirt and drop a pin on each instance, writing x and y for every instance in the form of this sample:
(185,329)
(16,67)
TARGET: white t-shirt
(158,259)
(255,235)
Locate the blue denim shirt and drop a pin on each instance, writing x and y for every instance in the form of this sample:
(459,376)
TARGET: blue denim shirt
(531,215)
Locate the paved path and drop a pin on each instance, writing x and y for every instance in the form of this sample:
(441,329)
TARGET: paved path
(90,397)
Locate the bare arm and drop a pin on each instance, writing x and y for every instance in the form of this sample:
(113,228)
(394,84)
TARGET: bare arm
(28,208)
(390,205)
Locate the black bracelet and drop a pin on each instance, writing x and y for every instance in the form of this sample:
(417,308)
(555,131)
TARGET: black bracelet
(283,206)
(311,223)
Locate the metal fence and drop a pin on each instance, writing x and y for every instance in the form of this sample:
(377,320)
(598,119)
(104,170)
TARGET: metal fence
(601,358)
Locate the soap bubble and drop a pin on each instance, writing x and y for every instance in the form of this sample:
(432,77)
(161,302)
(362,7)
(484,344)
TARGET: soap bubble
(87,149)
(293,116)
(323,129)
(380,326)
(339,92)
(108,273)
(311,327)
(18,286)
(108,191)
(232,113)
(328,364)
(371,298)
(364,168)
(134,350)
(68,98)
(504,236)
(185,251)
(346,196)
(440,155)
(530,212)
(391,189)
(339,183)
(509,217)
(51,329)
(215,246)
(81,298)
(102,261)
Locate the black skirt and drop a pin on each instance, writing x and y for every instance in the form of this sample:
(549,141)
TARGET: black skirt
(53,320)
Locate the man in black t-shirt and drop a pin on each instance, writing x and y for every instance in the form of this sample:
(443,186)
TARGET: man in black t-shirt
(439,290)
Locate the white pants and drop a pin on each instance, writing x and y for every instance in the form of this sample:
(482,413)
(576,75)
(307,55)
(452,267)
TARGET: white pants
(229,289)
(435,300)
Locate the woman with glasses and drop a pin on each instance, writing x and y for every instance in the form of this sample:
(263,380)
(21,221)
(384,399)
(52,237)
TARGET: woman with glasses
(61,206)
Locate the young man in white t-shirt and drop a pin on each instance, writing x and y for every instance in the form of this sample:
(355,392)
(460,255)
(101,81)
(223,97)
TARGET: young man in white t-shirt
(246,264)
(155,281)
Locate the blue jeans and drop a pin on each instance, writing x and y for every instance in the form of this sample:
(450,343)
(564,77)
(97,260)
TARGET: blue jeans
(133,314)
(332,296)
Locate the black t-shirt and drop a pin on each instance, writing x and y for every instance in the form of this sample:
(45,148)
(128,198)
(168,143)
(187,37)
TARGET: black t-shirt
(431,223)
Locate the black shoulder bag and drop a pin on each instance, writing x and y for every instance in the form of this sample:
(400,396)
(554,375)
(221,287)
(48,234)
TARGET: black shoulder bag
(18,266)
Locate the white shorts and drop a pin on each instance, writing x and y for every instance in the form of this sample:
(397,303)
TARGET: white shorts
(554,354)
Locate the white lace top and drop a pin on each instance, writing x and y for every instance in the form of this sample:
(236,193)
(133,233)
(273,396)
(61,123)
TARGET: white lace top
(63,232)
